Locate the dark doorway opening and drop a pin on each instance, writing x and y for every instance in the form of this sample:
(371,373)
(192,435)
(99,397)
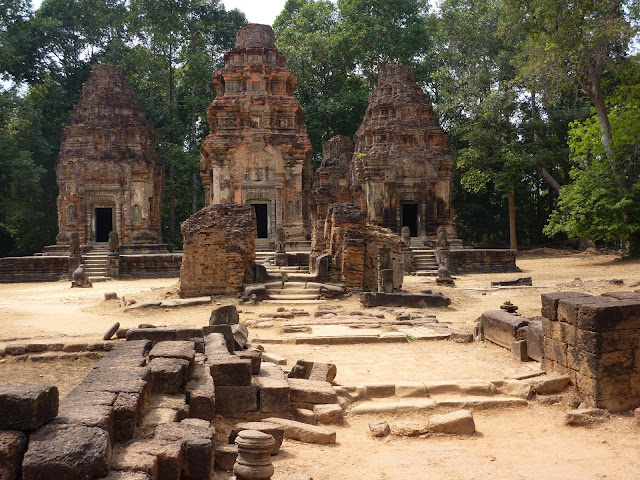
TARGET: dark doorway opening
(261,219)
(410,217)
(104,224)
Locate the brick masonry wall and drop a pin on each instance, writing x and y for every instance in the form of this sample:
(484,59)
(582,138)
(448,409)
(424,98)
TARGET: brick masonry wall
(219,247)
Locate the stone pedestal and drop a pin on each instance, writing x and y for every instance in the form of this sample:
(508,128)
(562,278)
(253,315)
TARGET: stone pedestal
(254,456)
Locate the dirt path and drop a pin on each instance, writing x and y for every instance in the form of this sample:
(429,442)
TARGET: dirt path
(517,443)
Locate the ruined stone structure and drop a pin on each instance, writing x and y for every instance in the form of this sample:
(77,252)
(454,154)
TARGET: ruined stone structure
(356,248)
(333,180)
(219,249)
(108,173)
(596,341)
(401,159)
(258,152)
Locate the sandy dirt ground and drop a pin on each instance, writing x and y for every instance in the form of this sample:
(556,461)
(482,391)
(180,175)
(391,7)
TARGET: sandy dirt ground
(514,443)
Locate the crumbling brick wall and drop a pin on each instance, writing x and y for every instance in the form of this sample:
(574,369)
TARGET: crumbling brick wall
(219,247)
(596,341)
(354,247)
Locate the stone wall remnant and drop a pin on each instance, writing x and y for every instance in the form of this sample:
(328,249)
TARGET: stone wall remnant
(401,162)
(596,342)
(219,248)
(258,152)
(108,173)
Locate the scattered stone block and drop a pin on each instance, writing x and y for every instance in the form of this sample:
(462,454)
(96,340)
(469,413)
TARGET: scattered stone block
(226,456)
(155,335)
(127,412)
(518,282)
(310,392)
(197,438)
(305,415)
(409,428)
(275,430)
(215,344)
(502,328)
(274,358)
(15,349)
(585,416)
(240,336)
(328,414)
(255,356)
(535,339)
(230,370)
(303,432)
(110,296)
(226,332)
(156,417)
(550,384)
(519,350)
(100,416)
(457,423)
(459,336)
(169,455)
(316,371)
(122,333)
(13,444)
(168,375)
(225,315)
(201,394)
(379,428)
(184,350)
(109,333)
(140,462)
(514,388)
(27,407)
(273,389)
(66,452)
(236,398)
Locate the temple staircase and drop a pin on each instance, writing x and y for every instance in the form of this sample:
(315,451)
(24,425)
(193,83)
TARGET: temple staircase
(293,292)
(425,263)
(95,262)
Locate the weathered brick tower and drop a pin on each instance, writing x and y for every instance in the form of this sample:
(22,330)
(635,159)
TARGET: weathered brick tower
(258,151)
(108,174)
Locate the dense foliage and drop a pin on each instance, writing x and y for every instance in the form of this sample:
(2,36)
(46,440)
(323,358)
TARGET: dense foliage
(541,100)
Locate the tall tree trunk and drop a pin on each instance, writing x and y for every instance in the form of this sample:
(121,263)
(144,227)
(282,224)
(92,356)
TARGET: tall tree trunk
(546,176)
(172,200)
(594,91)
(513,242)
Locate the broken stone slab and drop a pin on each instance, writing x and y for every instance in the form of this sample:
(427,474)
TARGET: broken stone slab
(197,438)
(27,407)
(240,336)
(457,423)
(514,388)
(109,333)
(379,428)
(411,300)
(273,358)
(503,328)
(273,429)
(583,417)
(305,415)
(518,282)
(139,305)
(273,389)
(411,389)
(409,428)
(549,384)
(328,414)
(403,406)
(100,416)
(236,399)
(225,315)
(254,356)
(168,375)
(311,392)
(13,444)
(66,452)
(519,350)
(460,336)
(303,432)
(156,335)
(155,417)
(226,456)
(201,394)
(380,390)
(229,370)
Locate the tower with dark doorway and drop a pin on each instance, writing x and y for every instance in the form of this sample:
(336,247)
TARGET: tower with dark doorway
(108,174)
(401,162)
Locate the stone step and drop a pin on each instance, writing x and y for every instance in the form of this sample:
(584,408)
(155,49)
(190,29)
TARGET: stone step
(293,291)
(426,273)
(274,270)
(295,302)
(98,278)
(408,405)
(278,284)
(293,297)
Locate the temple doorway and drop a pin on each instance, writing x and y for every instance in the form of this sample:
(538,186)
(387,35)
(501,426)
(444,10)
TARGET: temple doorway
(410,217)
(104,223)
(261,219)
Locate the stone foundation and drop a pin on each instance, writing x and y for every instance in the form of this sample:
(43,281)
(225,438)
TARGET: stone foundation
(596,341)
(219,248)
(150,266)
(34,269)
(483,261)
